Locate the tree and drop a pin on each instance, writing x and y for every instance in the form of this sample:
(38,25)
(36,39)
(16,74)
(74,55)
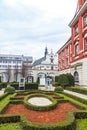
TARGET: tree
(63,80)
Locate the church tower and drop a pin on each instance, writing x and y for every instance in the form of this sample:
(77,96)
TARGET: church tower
(46,51)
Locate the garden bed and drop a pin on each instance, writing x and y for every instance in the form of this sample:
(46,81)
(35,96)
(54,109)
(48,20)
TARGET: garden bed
(48,117)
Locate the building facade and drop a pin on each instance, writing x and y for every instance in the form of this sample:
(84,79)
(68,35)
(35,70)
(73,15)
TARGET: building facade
(72,57)
(47,66)
(12,67)
(47,62)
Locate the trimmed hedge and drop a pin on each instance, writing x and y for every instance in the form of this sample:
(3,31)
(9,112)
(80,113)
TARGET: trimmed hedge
(40,108)
(58,89)
(9,118)
(27,86)
(76,98)
(77,89)
(80,114)
(3,85)
(69,124)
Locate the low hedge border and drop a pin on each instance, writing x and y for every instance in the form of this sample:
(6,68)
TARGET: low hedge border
(77,89)
(9,118)
(4,107)
(28,86)
(68,124)
(40,108)
(77,103)
(77,98)
(80,114)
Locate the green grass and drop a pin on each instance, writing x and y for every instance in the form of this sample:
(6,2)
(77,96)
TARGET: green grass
(10,126)
(81,124)
(5,100)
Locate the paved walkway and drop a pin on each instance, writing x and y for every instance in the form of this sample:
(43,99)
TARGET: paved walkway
(76,94)
(1,92)
(47,88)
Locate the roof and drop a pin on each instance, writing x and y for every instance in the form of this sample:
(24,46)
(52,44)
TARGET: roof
(37,62)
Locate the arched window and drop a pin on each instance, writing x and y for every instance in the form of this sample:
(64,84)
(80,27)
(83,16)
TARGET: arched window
(76,76)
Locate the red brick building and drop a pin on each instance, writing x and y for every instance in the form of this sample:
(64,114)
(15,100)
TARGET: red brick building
(72,56)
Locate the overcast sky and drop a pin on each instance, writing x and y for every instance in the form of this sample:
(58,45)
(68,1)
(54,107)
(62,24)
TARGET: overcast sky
(28,26)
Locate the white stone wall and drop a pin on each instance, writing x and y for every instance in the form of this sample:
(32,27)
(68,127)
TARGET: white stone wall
(82,71)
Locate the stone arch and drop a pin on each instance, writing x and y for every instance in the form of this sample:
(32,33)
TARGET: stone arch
(41,74)
(76,77)
(29,78)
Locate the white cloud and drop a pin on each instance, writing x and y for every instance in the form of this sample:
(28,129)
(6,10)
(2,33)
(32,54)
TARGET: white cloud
(27,26)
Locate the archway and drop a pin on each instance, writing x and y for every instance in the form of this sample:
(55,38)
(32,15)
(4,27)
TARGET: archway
(76,77)
(29,79)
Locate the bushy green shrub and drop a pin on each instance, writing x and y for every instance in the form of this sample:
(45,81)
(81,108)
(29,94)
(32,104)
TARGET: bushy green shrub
(70,79)
(58,89)
(3,85)
(63,80)
(10,89)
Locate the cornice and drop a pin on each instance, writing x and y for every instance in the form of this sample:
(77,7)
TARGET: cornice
(80,11)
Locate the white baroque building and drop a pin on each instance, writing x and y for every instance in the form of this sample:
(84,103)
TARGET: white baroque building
(47,62)
(12,67)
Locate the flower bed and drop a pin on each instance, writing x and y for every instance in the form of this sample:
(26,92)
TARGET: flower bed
(47,117)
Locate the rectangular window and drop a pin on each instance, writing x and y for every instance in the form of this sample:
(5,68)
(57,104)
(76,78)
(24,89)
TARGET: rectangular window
(76,49)
(85,20)
(85,43)
(62,63)
(66,61)
(76,30)
(67,51)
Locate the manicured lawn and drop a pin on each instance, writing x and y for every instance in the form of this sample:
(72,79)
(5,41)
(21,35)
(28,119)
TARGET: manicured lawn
(5,100)
(10,126)
(81,124)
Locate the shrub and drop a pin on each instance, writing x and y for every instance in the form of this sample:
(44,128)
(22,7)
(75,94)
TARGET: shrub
(58,89)
(10,89)
(27,86)
(31,86)
(78,90)
(63,80)
(70,79)
(3,85)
